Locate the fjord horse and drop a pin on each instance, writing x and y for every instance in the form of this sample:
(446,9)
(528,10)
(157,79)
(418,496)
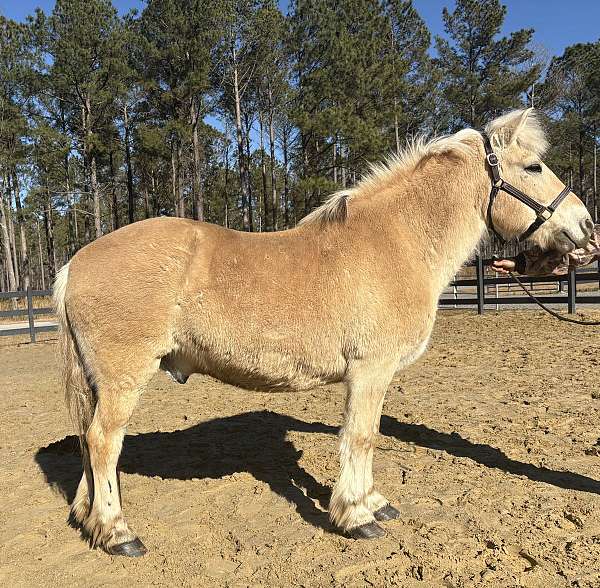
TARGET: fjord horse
(350,295)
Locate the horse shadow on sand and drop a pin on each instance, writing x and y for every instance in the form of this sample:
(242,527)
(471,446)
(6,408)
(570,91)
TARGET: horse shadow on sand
(256,442)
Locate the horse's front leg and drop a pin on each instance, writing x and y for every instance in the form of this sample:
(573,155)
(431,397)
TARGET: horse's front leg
(355,506)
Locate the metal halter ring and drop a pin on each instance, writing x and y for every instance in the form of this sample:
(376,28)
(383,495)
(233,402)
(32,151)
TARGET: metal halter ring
(492,159)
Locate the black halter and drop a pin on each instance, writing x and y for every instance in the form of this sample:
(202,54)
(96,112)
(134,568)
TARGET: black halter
(542,212)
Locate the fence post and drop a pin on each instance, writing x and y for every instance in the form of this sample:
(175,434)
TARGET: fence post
(30,314)
(480,285)
(572,291)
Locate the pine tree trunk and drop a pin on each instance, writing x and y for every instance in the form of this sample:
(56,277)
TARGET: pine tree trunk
(580,154)
(344,171)
(226,195)
(286,195)
(8,258)
(74,226)
(154,195)
(263,170)
(115,203)
(49,227)
(180,180)
(92,164)
(334,161)
(96,196)
(146,195)
(11,233)
(197,172)
(396,129)
(41,255)
(25,270)
(274,194)
(174,180)
(244,180)
(248,160)
(130,194)
(595,178)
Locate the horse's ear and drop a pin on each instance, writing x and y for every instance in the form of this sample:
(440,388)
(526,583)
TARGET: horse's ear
(504,130)
(520,123)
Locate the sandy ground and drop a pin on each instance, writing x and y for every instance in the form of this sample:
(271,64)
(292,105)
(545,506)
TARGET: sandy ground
(489,448)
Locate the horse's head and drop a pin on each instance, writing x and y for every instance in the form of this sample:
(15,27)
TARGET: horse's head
(519,142)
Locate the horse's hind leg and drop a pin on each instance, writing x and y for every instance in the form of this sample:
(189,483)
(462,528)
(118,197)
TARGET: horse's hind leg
(105,523)
(355,506)
(80,507)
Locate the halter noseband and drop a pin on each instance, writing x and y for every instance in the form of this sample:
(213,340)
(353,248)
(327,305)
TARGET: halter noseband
(542,212)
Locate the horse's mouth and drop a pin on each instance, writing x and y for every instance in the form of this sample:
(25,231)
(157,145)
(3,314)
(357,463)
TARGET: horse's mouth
(571,241)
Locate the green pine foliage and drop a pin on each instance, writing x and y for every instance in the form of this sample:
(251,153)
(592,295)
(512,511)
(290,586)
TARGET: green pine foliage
(482,74)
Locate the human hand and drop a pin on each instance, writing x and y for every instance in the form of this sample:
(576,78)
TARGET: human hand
(503,266)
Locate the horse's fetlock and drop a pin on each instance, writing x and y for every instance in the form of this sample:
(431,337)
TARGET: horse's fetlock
(106,533)
(348,514)
(374,501)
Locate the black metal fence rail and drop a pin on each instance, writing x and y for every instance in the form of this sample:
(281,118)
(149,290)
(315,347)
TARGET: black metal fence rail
(481,281)
(30,312)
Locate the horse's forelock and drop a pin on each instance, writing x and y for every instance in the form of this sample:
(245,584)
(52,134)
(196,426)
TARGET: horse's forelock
(519,127)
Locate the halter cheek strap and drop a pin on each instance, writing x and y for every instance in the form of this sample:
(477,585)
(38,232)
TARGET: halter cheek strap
(542,212)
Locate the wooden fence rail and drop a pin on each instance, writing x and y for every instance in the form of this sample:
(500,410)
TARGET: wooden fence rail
(30,312)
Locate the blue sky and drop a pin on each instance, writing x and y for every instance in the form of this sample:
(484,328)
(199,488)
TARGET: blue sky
(558,23)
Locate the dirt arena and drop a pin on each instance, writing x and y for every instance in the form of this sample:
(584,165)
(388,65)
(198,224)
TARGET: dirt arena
(489,447)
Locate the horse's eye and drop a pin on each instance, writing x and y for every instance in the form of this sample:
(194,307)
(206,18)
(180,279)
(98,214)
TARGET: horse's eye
(536,168)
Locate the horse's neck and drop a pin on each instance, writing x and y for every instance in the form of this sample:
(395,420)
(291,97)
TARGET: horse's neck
(450,216)
(442,211)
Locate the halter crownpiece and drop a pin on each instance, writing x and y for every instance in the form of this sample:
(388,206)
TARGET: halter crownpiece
(542,212)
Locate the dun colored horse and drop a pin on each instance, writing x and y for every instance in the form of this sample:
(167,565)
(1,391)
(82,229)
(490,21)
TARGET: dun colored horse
(350,295)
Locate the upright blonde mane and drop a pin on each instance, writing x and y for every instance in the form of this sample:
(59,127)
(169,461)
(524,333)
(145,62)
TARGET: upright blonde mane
(335,208)
(521,127)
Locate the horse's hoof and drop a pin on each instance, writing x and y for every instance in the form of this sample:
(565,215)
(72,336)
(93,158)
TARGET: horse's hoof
(387,513)
(134,548)
(367,531)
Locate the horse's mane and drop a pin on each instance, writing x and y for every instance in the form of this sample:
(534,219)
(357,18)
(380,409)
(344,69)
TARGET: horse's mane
(526,131)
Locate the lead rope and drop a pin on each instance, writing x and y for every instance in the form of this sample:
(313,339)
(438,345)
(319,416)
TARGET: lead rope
(555,314)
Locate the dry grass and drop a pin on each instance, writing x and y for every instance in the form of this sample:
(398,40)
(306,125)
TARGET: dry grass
(21,304)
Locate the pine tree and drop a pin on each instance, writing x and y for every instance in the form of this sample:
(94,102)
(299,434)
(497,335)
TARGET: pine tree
(176,58)
(482,75)
(15,63)
(415,96)
(343,77)
(84,46)
(571,93)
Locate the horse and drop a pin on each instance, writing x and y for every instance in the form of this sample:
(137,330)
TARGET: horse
(349,295)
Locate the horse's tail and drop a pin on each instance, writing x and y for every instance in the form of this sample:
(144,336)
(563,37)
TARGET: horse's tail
(80,393)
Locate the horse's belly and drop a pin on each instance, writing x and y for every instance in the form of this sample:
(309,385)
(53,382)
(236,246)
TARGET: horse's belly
(252,368)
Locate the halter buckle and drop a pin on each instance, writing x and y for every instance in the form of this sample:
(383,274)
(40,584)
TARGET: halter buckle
(492,159)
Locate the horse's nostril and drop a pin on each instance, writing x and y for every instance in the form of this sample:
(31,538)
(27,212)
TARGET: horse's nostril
(588,226)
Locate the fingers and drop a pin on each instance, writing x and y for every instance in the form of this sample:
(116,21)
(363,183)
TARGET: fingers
(503,266)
